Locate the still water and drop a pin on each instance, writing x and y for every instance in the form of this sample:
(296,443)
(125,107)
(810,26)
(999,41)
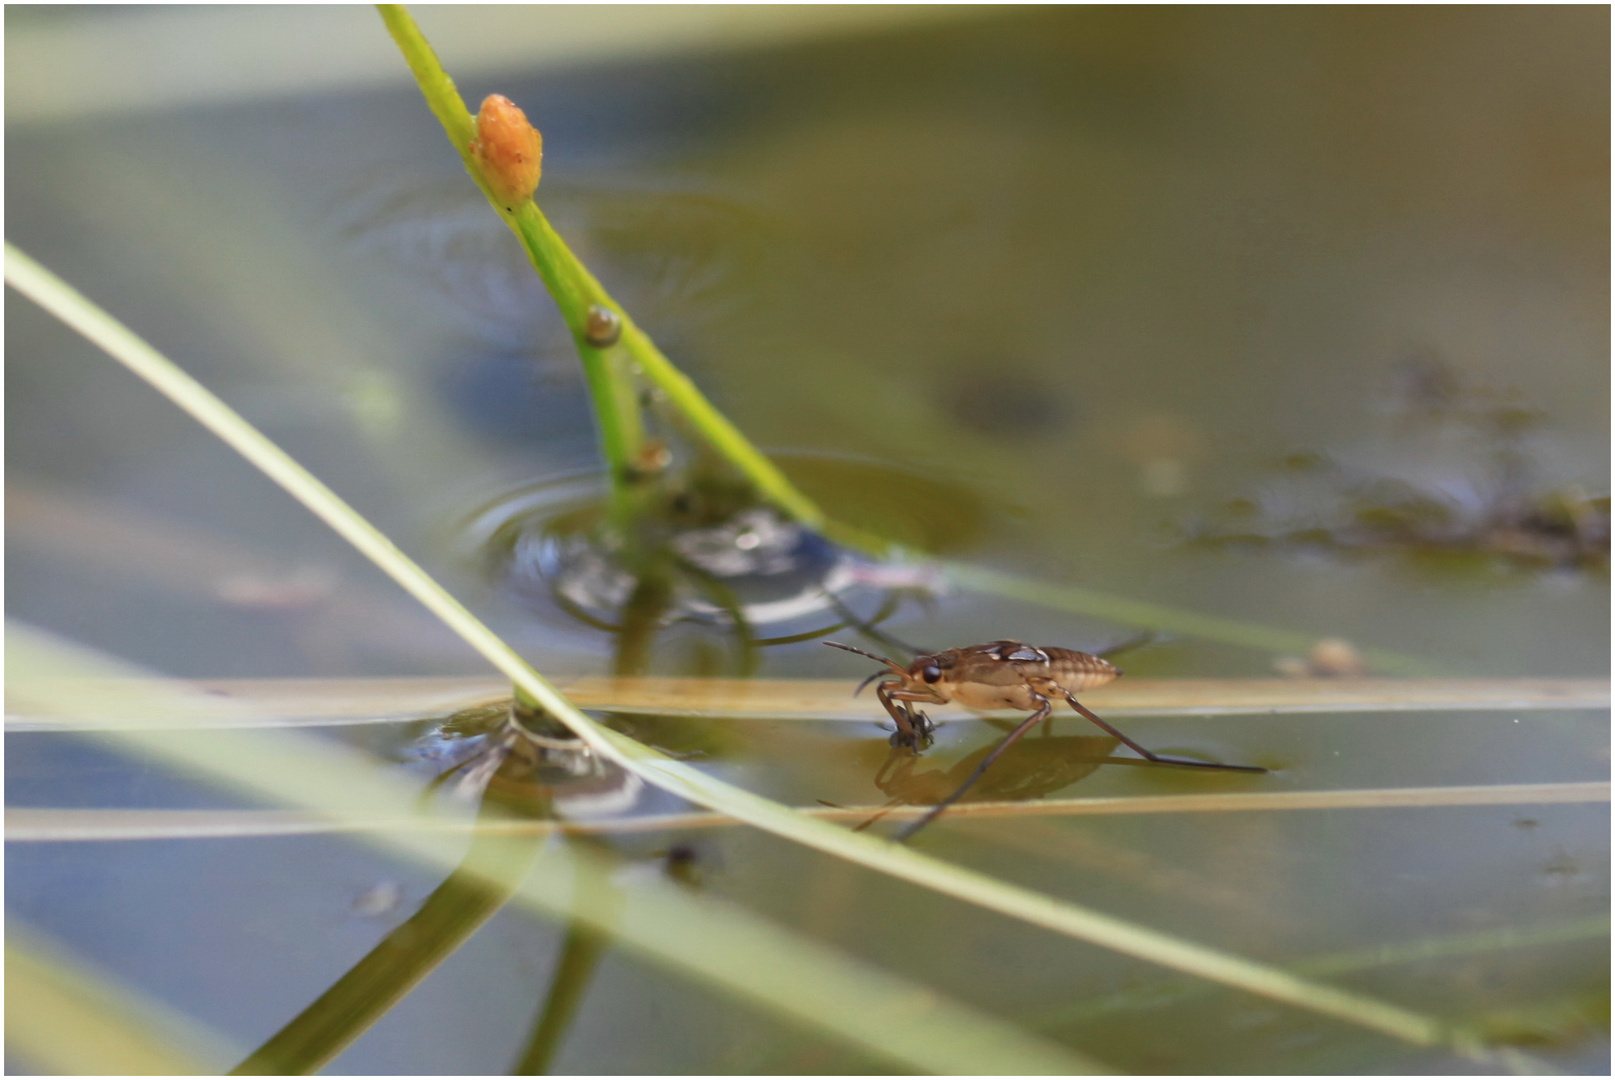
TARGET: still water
(1146,300)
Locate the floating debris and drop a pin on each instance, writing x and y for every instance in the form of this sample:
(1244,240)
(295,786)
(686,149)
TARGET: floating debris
(1329,658)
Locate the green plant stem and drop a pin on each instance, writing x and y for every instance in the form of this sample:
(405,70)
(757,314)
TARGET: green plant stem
(610,371)
(719,433)
(580,955)
(622,437)
(611,390)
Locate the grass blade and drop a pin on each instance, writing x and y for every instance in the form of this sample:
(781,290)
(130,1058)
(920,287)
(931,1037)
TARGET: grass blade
(677,777)
(1126,610)
(716,942)
(64,1017)
(1342,963)
(330,702)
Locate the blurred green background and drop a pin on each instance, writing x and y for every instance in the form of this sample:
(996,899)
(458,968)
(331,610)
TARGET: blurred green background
(1092,273)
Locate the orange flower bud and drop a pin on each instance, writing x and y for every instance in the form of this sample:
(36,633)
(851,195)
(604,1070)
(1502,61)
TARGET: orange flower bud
(509,150)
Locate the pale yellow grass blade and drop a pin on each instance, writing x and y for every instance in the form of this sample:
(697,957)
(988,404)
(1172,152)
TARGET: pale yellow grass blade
(711,940)
(295,702)
(680,778)
(65,1017)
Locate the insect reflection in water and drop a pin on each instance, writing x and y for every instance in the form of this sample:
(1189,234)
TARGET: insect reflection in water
(1029,769)
(997,675)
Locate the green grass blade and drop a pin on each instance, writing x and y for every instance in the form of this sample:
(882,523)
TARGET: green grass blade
(677,777)
(316,702)
(719,943)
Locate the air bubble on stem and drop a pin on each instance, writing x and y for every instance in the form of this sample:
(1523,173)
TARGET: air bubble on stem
(603,327)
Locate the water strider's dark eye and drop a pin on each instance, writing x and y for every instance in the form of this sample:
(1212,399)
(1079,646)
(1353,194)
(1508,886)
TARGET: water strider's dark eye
(931,673)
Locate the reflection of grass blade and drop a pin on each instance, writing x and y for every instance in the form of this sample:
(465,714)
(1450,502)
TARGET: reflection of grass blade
(677,777)
(65,1019)
(46,825)
(492,870)
(722,944)
(1122,609)
(1340,963)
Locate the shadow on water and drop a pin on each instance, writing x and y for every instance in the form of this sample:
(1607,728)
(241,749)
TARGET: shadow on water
(1028,769)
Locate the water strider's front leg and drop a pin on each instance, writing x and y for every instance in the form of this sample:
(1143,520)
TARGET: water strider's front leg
(913,726)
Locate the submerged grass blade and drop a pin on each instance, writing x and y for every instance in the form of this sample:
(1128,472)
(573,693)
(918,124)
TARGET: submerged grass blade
(63,1017)
(719,943)
(580,956)
(677,777)
(457,908)
(581,953)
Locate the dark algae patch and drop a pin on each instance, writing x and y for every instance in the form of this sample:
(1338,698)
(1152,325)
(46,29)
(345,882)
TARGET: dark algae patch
(1448,471)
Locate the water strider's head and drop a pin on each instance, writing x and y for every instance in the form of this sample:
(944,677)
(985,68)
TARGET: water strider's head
(924,671)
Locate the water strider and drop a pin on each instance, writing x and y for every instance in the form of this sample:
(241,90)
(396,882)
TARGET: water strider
(997,675)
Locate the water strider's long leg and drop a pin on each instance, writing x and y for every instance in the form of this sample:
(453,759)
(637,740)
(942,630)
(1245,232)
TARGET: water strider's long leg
(1028,724)
(882,812)
(1083,709)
